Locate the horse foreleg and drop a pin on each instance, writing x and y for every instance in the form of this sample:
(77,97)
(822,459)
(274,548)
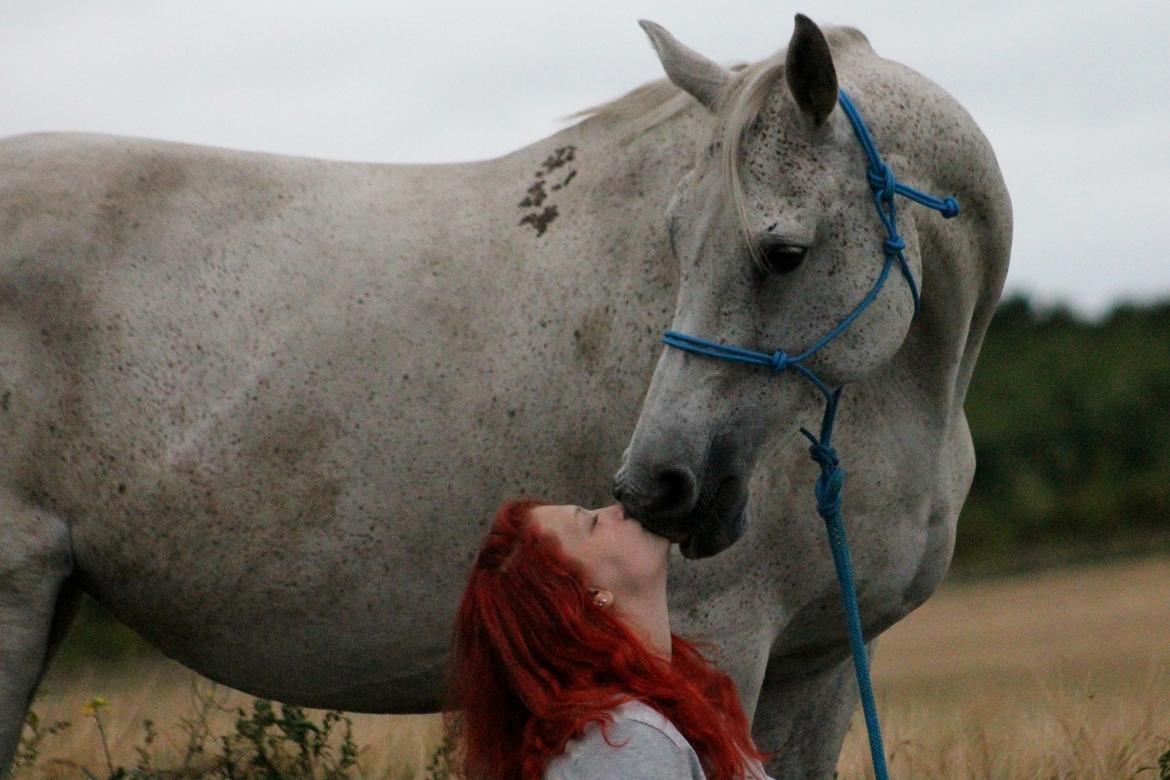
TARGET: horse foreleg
(35,559)
(805,717)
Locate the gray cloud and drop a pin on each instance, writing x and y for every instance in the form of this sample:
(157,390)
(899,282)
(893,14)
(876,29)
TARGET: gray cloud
(1072,96)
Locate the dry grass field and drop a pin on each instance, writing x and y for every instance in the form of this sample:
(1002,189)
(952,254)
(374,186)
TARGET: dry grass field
(1063,674)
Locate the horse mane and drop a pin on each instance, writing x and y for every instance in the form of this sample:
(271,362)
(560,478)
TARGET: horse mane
(661,99)
(648,105)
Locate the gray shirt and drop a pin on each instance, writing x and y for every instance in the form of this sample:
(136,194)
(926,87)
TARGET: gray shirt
(656,750)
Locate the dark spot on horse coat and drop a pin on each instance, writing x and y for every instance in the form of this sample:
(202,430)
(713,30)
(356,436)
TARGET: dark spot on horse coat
(559,157)
(568,179)
(591,339)
(537,194)
(541,220)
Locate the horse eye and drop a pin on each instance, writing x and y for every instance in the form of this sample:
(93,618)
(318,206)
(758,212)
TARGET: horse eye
(782,258)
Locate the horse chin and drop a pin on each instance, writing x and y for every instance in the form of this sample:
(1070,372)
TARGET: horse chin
(715,534)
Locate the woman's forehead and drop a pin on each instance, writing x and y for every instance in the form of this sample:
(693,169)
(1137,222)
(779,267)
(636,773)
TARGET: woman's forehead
(561,519)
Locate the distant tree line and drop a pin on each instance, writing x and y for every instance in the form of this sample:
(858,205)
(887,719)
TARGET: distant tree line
(1071,422)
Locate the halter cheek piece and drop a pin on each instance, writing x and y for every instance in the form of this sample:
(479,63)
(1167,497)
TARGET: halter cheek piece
(828,486)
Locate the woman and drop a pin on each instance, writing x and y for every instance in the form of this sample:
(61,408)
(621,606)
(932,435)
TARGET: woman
(564,667)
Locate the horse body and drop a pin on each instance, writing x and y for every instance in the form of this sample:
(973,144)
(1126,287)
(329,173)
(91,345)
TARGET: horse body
(287,381)
(262,407)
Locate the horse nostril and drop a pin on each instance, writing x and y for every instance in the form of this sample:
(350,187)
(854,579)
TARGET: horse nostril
(671,492)
(677,491)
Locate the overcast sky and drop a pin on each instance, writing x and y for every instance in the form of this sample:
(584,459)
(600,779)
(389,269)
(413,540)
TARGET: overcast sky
(1075,96)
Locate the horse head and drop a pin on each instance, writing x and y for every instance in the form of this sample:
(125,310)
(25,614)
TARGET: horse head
(776,239)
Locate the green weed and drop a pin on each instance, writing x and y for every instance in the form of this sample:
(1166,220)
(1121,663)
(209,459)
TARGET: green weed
(272,742)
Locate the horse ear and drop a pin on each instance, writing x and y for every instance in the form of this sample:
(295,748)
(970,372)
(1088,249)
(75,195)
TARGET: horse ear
(809,71)
(703,79)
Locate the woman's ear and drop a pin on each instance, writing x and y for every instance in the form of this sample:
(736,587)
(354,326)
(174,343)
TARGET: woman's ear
(601,597)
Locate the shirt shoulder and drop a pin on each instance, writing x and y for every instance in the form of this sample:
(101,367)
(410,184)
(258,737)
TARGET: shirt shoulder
(641,712)
(646,746)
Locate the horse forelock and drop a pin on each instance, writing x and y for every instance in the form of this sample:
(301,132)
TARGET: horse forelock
(741,106)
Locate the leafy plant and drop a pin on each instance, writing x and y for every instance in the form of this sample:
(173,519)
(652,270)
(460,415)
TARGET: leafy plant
(28,750)
(271,745)
(441,766)
(272,742)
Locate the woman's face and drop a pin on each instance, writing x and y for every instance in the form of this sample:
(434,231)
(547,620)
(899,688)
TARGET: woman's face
(617,552)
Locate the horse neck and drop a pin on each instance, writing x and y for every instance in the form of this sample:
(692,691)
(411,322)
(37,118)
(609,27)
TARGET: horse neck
(608,223)
(939,148)
(962,279)
(932,368)
(615,237)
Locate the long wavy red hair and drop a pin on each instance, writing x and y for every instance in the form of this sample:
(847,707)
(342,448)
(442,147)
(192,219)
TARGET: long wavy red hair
(534,660)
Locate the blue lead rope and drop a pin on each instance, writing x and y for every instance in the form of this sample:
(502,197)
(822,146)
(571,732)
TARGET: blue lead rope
(828,485)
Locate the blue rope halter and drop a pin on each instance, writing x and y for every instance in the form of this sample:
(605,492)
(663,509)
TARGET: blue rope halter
(828,486)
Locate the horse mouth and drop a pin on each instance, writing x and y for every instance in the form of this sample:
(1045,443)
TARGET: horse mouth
(719,520)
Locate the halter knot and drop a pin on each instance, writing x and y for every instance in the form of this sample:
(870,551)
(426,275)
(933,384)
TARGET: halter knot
(825,456)
(828,486)
(779,361)
(950,207)
(881,180)
(828,493)
(893,244)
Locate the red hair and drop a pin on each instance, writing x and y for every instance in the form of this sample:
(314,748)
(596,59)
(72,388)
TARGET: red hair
(534,660)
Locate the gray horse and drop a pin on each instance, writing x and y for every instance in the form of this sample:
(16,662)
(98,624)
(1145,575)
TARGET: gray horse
(262,407)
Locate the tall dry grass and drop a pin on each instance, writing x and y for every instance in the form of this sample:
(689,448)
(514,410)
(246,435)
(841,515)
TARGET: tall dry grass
(1062,674)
